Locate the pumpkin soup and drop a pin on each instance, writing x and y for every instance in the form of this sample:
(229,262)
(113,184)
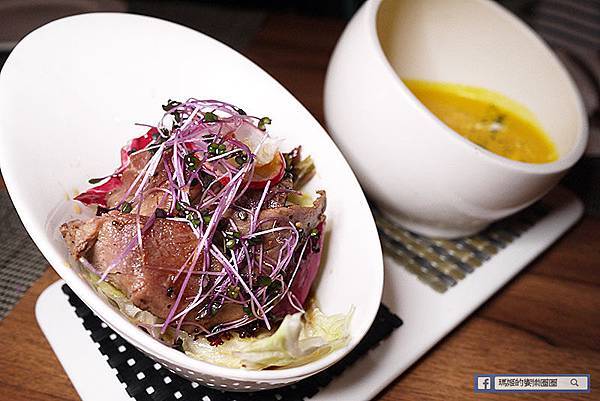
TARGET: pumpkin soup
(487,118)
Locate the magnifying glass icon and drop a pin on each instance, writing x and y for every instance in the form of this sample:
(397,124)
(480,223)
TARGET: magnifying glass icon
(574,382)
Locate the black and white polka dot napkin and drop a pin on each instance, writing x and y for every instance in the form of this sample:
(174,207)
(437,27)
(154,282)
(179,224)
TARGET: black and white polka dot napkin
(147,380)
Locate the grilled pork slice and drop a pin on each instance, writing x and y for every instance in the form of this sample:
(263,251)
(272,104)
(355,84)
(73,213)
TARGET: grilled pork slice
(147,275)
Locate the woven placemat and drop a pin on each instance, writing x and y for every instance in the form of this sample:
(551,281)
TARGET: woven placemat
(21,263)
(440,263)
(147,380)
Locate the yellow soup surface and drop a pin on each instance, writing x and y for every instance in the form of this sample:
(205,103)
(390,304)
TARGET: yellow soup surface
(487,118)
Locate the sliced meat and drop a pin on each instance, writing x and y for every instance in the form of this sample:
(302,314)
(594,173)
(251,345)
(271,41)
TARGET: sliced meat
(305,218)
(146,275)
(276,197)
(159,180)
(80,236)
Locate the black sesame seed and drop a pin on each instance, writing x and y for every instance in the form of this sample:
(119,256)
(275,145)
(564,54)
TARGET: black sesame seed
(160,213)
(102,210)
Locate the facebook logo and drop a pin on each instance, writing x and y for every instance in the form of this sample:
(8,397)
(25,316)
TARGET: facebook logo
(483,383)
(510,382)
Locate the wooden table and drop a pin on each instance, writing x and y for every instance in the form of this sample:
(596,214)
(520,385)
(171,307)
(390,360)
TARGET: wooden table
(546,320)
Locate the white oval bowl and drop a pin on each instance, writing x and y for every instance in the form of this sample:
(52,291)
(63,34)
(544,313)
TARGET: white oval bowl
(420,172)
(70,94)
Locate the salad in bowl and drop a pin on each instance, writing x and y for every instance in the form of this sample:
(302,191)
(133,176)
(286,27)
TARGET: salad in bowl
(186,243)
(203,238)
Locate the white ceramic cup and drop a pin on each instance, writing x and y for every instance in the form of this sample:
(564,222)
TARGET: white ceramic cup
(418,171)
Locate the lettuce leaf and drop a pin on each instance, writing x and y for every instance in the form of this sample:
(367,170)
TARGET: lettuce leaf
(301,337)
